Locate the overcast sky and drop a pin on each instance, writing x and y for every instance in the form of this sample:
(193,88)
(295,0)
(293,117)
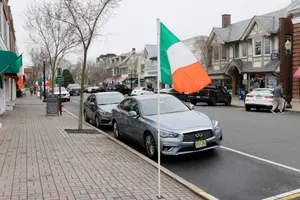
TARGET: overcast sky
(134,22)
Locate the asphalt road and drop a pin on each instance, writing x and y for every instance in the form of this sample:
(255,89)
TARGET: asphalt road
(230,173)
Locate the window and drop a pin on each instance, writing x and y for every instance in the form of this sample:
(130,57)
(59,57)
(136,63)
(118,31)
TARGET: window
(224,52)
(236,50)
(107,99)
(167,105)
(268,46)
(216,52)
(244,49)
(124,105)
(257,47)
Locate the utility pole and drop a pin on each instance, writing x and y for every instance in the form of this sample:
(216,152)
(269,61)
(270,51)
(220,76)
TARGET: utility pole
(44,73)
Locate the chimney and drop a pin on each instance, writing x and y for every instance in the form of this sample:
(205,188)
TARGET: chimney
(226,20)
(133,50)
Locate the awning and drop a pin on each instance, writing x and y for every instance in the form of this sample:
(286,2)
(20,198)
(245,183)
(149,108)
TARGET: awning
(297,73)
(10,63)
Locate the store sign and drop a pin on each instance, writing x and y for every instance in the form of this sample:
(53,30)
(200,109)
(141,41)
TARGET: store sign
(275,56)
(28,71)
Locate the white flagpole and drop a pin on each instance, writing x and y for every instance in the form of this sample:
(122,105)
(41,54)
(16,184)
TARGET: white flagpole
(158,104)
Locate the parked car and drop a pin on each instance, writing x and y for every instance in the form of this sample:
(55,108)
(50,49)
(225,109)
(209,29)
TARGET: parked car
(183,129)
(98,107)
(65,95)
(92,89)
(173,92)
(100,89)
(119,88)
(86,88)
(260,98)
(141,91)
(211,94)
(74,89)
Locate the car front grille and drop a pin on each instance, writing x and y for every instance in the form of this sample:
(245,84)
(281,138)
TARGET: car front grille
(197,135)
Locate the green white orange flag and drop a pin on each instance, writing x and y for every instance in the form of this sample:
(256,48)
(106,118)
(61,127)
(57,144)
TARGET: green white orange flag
(178,65)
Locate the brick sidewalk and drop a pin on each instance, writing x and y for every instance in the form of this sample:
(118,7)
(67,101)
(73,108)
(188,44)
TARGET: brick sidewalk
(38,160)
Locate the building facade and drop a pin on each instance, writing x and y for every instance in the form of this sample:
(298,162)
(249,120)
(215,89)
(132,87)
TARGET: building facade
(8,86)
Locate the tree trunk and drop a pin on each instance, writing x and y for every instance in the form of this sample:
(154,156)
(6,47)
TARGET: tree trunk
(53,72)
(82,89)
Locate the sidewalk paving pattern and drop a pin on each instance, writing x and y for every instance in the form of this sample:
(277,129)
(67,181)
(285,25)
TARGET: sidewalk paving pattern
(39,160)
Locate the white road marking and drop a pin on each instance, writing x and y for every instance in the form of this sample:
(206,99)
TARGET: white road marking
(286,194)
(262,159)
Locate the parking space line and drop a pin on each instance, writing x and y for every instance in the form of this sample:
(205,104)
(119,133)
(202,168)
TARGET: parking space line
(262,159)
(285,196)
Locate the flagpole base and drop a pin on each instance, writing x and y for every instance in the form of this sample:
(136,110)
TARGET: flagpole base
(161,197)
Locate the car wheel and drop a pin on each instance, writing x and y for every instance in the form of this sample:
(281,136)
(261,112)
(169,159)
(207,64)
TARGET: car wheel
(228,102)
(194,102)
(247,108)
(150,146)
(85,116)
(116,131)
(97,122)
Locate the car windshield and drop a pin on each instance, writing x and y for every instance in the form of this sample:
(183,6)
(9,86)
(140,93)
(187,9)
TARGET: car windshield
(109,99)
(167,105)
(56,89)
(74,86)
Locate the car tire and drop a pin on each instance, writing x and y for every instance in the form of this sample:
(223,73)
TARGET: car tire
(97,122)
(116,131)
(247,108)
(85,116)
(194,102)
(150,146)
(228,102)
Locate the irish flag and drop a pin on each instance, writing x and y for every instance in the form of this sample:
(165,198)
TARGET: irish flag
(178,66)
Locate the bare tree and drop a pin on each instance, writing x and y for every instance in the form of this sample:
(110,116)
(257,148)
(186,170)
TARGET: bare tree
(87,17)
(55,37)
(201,48)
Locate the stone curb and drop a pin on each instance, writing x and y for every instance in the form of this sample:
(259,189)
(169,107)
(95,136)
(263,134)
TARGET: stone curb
(177,178)
(242,106)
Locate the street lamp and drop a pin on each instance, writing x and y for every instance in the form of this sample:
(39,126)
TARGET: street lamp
(44,74)
(288,48)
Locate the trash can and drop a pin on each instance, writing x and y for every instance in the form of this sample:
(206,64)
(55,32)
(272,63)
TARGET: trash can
(241,93)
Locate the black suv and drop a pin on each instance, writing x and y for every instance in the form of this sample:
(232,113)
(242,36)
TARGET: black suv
(119,88)
(211,94)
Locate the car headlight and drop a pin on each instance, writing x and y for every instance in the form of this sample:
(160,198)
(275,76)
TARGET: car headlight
(165,134)
(102,112)
(216,125)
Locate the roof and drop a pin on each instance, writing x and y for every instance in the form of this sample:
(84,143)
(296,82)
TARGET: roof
(106,93)
(151,96)
(151,50)
(269,21)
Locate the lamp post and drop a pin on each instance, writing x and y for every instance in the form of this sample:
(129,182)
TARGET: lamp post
(44,74)
(288,48)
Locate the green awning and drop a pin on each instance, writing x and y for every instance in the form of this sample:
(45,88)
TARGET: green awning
(10,62)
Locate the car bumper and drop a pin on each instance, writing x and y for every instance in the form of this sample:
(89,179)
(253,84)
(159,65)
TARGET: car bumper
(171,146)
(199,98)
(105,121)
(259,104)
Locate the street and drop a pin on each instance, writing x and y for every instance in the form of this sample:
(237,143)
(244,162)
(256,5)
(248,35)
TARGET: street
(259,157)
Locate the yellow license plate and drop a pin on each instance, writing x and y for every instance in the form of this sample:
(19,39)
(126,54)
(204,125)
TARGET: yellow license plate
(200,144)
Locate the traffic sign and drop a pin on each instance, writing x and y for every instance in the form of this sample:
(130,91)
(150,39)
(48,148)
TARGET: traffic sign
(59,80)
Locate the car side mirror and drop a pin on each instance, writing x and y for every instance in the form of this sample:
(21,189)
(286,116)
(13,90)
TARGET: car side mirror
(132,114)
(192,107)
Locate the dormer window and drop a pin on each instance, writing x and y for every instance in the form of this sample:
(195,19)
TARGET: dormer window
(216,53)
(257,47)
(244,49)
(236,50)
(224,52)
(268,46)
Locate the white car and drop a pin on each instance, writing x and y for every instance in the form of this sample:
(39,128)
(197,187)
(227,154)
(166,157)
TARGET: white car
(260,98)
(141,91)
(91,89)
(65,95)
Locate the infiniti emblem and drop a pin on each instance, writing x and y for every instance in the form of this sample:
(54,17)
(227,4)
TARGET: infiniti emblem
(198,135)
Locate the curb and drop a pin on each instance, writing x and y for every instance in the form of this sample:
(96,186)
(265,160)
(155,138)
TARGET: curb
(177,178)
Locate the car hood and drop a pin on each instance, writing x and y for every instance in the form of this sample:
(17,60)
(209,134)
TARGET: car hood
(108,107)
(182,120)
(62,92)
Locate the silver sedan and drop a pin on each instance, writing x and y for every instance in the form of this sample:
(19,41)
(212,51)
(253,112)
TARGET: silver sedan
(183,129)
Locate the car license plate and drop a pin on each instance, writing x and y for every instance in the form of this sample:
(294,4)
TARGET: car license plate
(198,97)
(200,144)
(258,97)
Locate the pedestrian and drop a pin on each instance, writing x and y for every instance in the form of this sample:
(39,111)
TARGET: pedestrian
(278,99)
